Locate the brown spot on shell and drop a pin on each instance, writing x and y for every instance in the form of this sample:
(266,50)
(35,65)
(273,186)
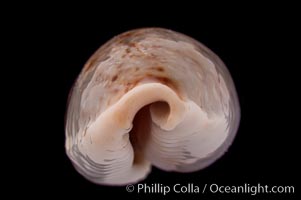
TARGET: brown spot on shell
(158,68)
(114,78)
(132,44)
(124,38)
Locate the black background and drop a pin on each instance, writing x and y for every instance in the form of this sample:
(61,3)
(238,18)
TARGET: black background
(255,44)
